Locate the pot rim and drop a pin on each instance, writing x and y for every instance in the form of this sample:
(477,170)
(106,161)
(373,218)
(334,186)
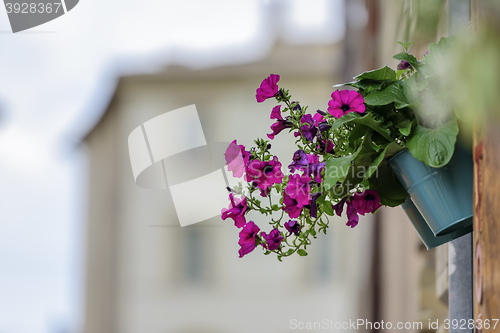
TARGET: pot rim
(397,154)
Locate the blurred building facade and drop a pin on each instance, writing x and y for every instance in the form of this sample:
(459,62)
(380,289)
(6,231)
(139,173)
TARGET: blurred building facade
(145,273)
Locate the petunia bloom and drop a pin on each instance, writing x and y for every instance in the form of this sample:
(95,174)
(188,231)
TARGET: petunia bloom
(248,238)
(268,88)
(366,202)
(290,206)
(298,188)
(326,146)
(299,161)
(404,65)
(273,240)
(236,210)
(308,163)
(345,101)
(293,227)
(280,123)
(324,126)
(339,207)
(314,167)
(352,215)
(308,130)
(264,173)
(318,119)
(236,158)
(313,207)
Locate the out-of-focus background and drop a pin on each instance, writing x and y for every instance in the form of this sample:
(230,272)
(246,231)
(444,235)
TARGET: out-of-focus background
(83,249)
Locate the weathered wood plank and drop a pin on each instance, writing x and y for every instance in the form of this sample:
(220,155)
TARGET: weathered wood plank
(487,225)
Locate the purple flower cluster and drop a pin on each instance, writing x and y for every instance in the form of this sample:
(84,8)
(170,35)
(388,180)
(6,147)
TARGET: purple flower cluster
(361,203)
(308,163)
(301,191)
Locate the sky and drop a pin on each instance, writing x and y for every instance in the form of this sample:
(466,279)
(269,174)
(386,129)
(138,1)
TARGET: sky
(55,83)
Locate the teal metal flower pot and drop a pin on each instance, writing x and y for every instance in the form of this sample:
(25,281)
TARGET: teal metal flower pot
(424,232)
(442,195)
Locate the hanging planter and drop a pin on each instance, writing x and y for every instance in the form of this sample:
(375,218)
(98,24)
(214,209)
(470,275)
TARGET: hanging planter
(443,195)
(424,231)
(384,136)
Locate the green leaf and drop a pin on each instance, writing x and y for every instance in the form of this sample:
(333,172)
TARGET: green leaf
(347,84)
(376,125)
(413,86)
(402,123)
(336,169)
(365,85)
(382,74)
(358,170)
(358,132)
(302,252)
(439,56)
(376,162)
(408,58)
(405,130)
(345,119)
(367,120)
(434,146)
(406,45)
(325,204)
(393,93)
(328,208)
(389,189)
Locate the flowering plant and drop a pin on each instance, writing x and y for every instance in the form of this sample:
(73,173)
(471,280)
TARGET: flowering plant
(340,165)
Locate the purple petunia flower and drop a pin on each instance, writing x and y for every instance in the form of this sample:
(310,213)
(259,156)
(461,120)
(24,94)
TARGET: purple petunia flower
(268,88)
(236,210)
(273,239)
(308,130)
(312,159)
(265,193)
(264,173)
(248,238)
(314,167)
(324,126)
(326,146)
(308,163)
(246,248)
(298,188)
(276,113)
(318,118)
(352,215)
(366,202)
(345,101)
(290,206)
(299,161)
(293,227)
(280,123)
(404,65)
(313,208)
(236,158)
(339,207)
